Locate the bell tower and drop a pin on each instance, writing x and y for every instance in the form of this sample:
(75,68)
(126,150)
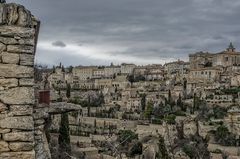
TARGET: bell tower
(231,48)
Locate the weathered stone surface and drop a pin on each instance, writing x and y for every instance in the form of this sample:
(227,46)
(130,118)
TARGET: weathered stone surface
(2,47)
(4,146)
(3,107)
(6,83)
(26,42)
(6,40)
(20,49)
(21,146)
(26,60)
(10,70)
(10,58)
(25,17)
(2,14)
(19,136)
(18,155)
(16,31)
(22,123)
(39,122)
(12,14)
(18,95)
(3,131)
(26,82)
(17,110)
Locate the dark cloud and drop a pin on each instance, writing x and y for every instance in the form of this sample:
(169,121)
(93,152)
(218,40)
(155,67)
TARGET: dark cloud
(59,44)
(137,28)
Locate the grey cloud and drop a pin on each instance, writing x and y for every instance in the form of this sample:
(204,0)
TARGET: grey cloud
(59,44)
(139,28)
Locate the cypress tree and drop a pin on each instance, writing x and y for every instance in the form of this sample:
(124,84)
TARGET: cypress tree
(163,153)
(64,138)
(68,93)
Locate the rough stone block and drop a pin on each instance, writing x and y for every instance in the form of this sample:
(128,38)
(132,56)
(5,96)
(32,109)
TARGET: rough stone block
(20,49)
(3,107)
(26,82)
(19,110)
(10,58)
(2,14)
(4,131)
(19,136)
(6,83)
(2,47)
(16,31)
(18,95)
(3,147)
(26,60)
(18,155)
(8,41)
(21,123)
(16,71)
(24,41)
(21,146)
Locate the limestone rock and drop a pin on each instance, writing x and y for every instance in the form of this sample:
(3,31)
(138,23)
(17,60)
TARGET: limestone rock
(10,58)
(25,17)
(26,42)
(21,146)
(26,60)
(3,9)
(4,131)
(16,31)
(8,41)
(26,82)
(20,49)
(3,107)
(18,95)
(4,146)
(2,47)
(19,136)
(22,123)
(12,15)
(18,155)
(10,70)
(17,110)
(6,83)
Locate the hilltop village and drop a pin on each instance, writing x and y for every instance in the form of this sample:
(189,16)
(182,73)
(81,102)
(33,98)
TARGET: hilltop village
(177,110)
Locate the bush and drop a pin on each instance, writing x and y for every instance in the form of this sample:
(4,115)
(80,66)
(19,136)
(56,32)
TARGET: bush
(170,119)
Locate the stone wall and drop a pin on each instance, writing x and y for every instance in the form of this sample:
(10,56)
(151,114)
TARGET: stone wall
(18,37)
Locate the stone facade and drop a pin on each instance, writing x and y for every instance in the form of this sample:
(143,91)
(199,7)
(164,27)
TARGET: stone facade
(18,37)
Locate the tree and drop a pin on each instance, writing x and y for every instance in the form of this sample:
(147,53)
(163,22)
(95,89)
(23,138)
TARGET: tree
(224,137)
(70,69)
(170,119)
(95,126)
(136,149)
(149,110)
(130,79)
(68,93)
(54,69)
(143,101)
(163,153)
(126,136)
(64,137)
(180,103)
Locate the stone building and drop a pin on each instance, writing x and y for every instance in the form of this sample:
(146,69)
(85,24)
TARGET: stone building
(84,72)
(226,58)
(127,68)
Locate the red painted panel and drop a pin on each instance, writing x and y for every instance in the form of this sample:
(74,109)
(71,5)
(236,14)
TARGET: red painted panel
(44,97)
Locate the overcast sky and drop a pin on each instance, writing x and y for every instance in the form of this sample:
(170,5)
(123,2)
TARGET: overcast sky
(98,32)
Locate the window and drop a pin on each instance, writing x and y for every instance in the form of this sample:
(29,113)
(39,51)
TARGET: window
(226,58)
